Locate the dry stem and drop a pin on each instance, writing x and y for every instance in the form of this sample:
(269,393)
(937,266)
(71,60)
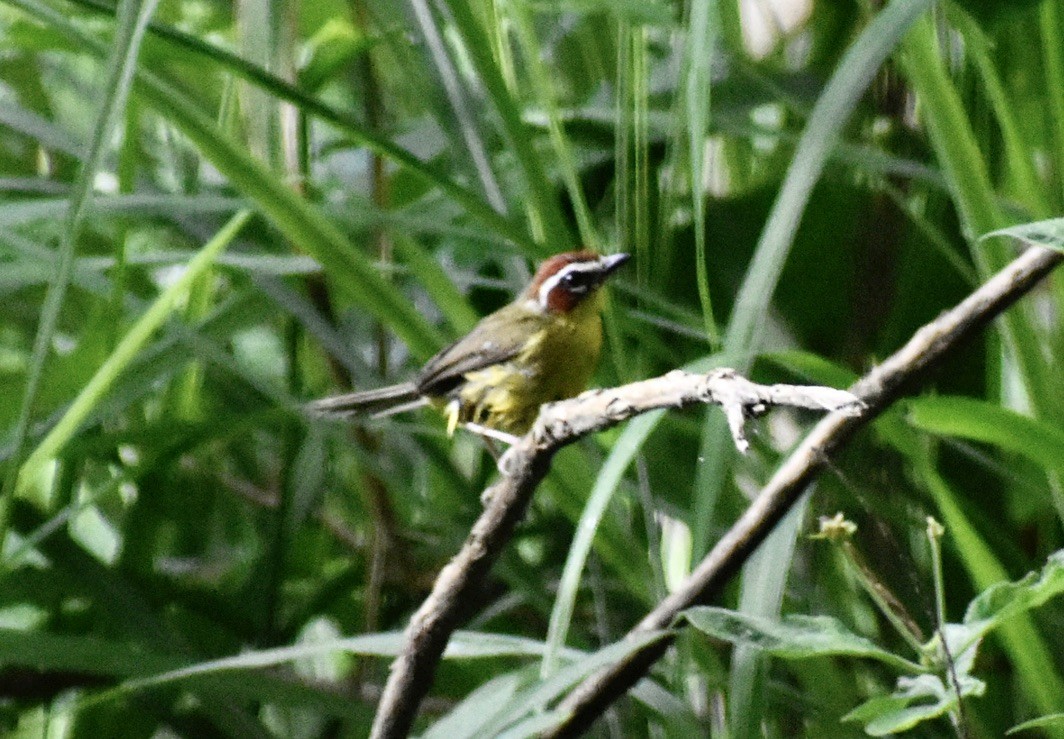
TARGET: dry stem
(528,461)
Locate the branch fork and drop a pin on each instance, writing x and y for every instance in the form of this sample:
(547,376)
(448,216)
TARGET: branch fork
(527,462)
(524,465)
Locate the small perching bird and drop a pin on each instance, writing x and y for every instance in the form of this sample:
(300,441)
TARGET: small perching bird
(542,347)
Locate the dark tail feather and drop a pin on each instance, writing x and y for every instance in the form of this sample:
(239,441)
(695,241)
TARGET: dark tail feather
(382,401)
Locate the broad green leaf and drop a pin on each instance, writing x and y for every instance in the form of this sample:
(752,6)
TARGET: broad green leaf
(1028,649)
(1005,600)
(792,637)
(915,700)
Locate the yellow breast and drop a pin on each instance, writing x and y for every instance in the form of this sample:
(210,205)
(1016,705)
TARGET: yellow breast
(557,362)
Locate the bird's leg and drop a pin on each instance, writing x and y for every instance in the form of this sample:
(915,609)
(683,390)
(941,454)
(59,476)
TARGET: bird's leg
(490,433)
(490,436)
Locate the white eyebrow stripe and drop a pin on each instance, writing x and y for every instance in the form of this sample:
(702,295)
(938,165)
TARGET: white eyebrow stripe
(552,282)
(544,290)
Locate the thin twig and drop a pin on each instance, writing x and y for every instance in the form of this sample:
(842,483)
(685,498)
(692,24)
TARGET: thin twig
(877,389)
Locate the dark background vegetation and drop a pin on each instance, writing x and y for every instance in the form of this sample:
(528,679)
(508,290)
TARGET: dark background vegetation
(167,504)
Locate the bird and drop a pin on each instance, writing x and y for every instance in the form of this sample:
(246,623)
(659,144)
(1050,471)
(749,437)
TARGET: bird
(540,348)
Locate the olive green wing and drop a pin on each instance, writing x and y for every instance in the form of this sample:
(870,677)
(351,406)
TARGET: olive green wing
(498,338)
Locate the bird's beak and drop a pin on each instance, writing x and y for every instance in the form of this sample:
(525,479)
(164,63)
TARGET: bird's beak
(611,263)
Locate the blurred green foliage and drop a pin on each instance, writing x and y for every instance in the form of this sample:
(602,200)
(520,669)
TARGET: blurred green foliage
(406,165)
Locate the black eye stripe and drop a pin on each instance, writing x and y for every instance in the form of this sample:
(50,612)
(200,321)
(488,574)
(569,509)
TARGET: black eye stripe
(575,279)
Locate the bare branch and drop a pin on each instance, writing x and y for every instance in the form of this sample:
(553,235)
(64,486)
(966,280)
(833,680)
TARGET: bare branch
(527,462)
(523,467)
(877,389)
(564,422)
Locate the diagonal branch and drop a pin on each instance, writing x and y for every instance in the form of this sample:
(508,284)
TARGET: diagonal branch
(877,389)
(527,462)
(523,467)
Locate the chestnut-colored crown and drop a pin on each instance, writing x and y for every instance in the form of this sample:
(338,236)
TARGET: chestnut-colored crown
(565,280)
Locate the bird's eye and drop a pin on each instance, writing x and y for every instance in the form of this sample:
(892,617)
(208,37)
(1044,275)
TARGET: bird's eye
(576,283)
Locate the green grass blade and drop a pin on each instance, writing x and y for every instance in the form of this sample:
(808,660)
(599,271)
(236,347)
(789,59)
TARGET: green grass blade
(764,579)
(347,123)
(702,33)
(437,283)
(1019,159)
(132,20)
(133,342)
(746,326)
(539,191)
(302,224)
(989,423)
(1051,20)
(823,130)
(966,170)
(471,136)
(955,143)
(521,15)
(608,480)
(977,420)
(39,129)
